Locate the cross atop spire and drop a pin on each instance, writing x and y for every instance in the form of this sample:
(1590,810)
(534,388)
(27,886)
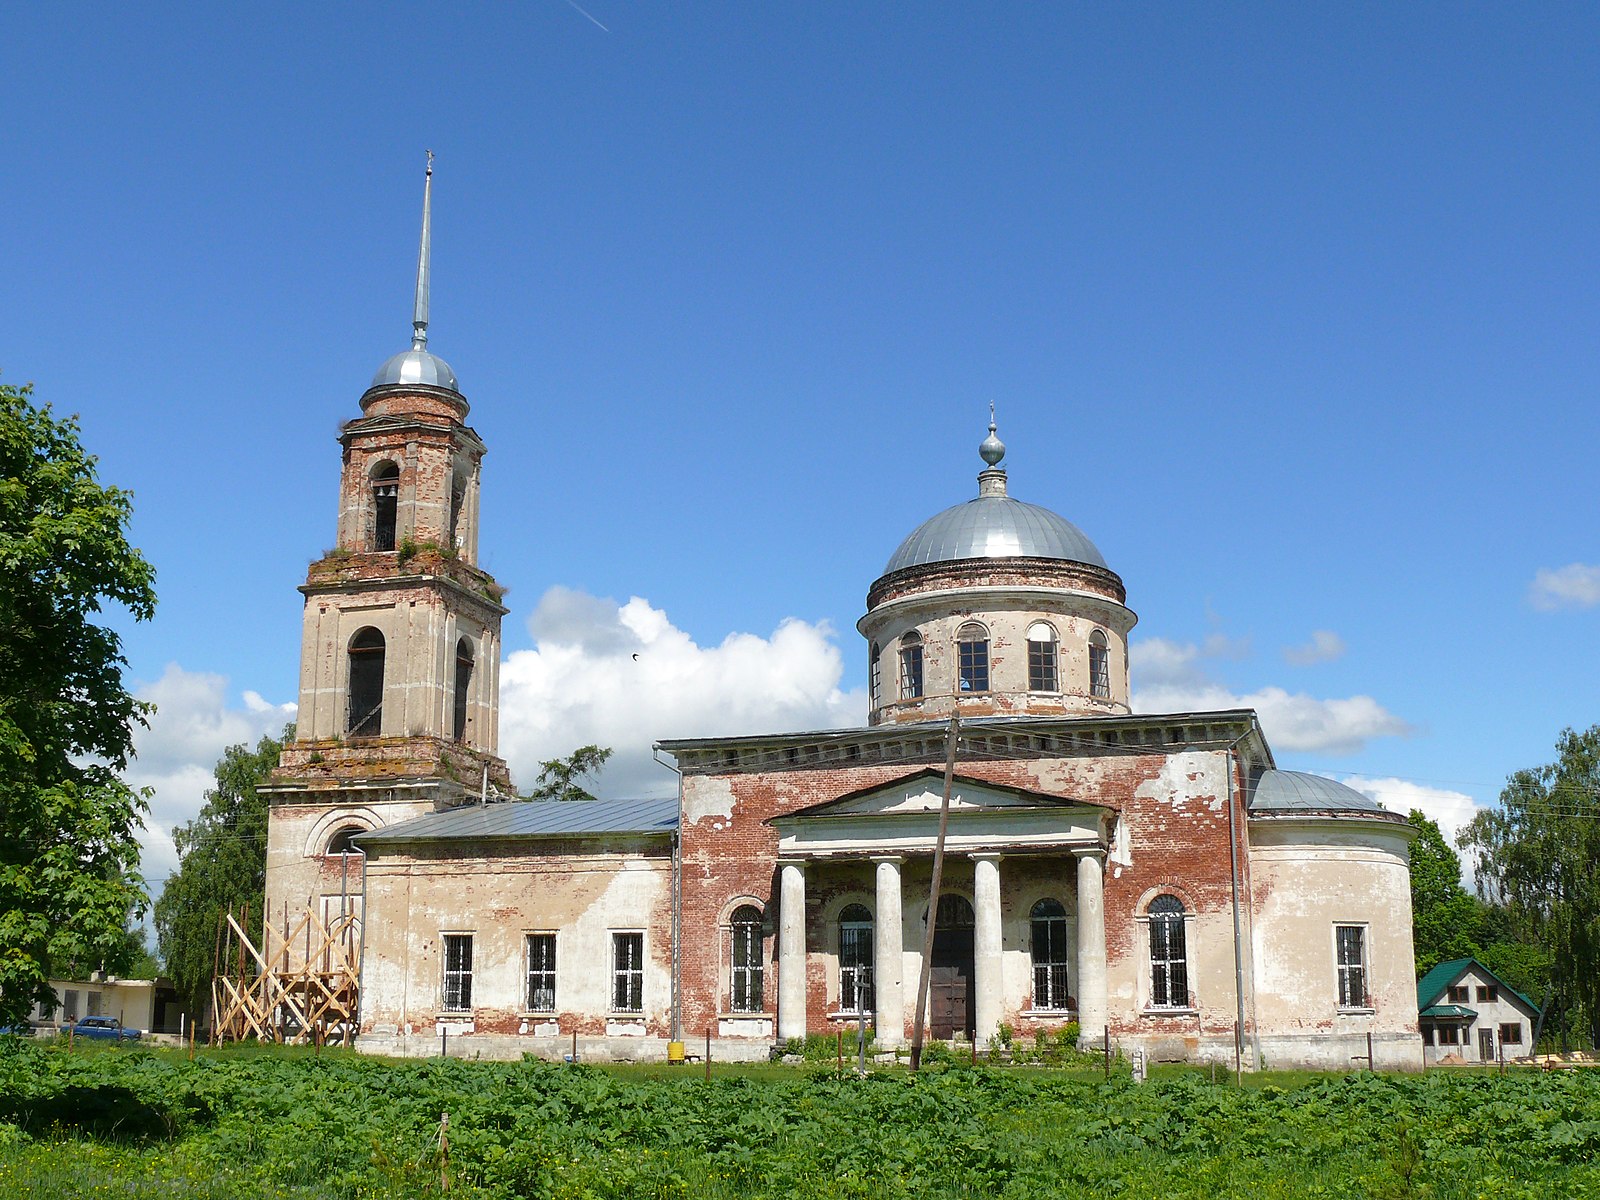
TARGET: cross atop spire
(419,316)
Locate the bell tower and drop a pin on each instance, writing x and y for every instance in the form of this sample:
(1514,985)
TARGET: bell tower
(400,650)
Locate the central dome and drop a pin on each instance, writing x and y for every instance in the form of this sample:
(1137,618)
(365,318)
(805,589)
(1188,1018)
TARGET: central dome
(994,526)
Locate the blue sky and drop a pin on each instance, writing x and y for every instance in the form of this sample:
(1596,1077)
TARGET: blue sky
(1292,309)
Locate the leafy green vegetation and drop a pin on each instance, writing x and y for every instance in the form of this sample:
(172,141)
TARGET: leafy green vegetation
(142,1123)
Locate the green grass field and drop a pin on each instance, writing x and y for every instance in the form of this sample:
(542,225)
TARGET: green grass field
(113,1122)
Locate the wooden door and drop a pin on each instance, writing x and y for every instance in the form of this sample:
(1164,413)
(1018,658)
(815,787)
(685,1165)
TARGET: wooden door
(947,1002)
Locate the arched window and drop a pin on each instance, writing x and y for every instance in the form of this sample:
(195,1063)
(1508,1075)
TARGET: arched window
(463,687)
(911,666)
(385,504)
(1169,961)
(1042,658)
(1049,927)
(365,716)
(874,673)
(341,843)
(1099,665)
(747,963)
(972,657)
(855,959)
(955,912)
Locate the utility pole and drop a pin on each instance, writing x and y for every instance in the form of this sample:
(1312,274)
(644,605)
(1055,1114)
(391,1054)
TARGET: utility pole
(933,895)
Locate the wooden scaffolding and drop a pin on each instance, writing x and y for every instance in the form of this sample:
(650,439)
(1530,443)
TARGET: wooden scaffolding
(301,985)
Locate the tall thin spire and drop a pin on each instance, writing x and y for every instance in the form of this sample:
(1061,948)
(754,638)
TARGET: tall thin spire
(419,316)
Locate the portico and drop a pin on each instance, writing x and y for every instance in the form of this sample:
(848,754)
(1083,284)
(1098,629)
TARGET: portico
(1010,855)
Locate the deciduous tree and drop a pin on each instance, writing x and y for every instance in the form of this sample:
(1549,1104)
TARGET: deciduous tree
(561,778)
(222,866)
(1445,918)
(68,848)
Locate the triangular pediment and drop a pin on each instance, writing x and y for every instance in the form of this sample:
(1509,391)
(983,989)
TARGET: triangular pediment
(923,791)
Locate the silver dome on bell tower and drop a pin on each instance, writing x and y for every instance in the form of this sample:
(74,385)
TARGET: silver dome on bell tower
(417,366)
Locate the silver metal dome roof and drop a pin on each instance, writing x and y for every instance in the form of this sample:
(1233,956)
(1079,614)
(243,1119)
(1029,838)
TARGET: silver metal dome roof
(416,366)
(1296,791)
(994,526)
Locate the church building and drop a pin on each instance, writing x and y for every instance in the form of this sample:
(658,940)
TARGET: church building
(1153,879)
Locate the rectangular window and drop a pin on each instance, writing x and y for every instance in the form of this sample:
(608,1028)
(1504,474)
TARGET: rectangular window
(876,673)
(1351,941)
(973,658)
(1511,1034)
(1449,1035)
(1458,995)
(94,1009)
(910,672)
(1427,1034)
(855,967)
(457,993)
(541,997)
(1489,994)
(1042,667)
(627,972)
(69,1004)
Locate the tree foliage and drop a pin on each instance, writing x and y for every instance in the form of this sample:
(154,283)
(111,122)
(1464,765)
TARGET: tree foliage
(1538,854)
(563,778)
(1446,920)
(222,865)
(68,853)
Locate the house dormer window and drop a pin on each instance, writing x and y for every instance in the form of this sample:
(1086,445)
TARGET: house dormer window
(972,657)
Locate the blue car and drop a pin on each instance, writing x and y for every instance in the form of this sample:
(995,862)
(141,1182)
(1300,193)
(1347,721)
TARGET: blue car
(108,1028)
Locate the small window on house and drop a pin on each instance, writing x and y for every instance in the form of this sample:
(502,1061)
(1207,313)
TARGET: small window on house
(463,687)
(1169,956)
(910,666)
(1489,994)
(385,505)
(1042,658)
(1427,1034)
(1351,951)
(343,842)
(1099,665)
(972,657)
(1511,1034)
(1449,1035)
(69,1004)
(874,673)
(365,716)
(1049,929)
(1459,994)
(541,997)
(855,959)
(746,982)
(627,972)
(457,991)
(95,1008)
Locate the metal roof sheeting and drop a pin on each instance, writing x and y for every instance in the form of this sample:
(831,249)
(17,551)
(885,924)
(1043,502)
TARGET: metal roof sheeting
(535,819)
(1296,791)
(994,527)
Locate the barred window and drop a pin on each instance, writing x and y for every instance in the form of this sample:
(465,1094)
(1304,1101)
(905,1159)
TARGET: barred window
(541,997)
(855,959)
(1351,943)
(1169,960)
(627,972)
(972,657)
(457,992)
(1049,921)
(911,666)
(1099,665)
(1042,675)
(747,962)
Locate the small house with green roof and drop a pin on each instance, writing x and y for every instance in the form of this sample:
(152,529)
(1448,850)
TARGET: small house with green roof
(1469,1013)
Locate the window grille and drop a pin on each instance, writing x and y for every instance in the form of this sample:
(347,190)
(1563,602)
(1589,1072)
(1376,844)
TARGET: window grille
(1042,675)
(972,658)
(1050,956)
(1352,963)
(627,972)
(541,972)
(1169,961)
(95,1008)
(69,1004)
(457,972)
(855,960)
(910,667)
(747,964)
(1099,665)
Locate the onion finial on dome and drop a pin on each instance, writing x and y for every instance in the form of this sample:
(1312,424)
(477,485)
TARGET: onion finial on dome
(993,449)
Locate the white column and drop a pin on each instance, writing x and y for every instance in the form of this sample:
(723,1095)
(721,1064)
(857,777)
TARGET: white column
(889,954)
(986,947)
(792,950)
(1091,946)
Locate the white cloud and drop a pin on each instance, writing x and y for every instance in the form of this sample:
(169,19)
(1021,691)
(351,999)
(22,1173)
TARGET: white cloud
(1171,677)
(1324,646)
(624,676)
(1452,810)
(1575,585)
(192,725)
